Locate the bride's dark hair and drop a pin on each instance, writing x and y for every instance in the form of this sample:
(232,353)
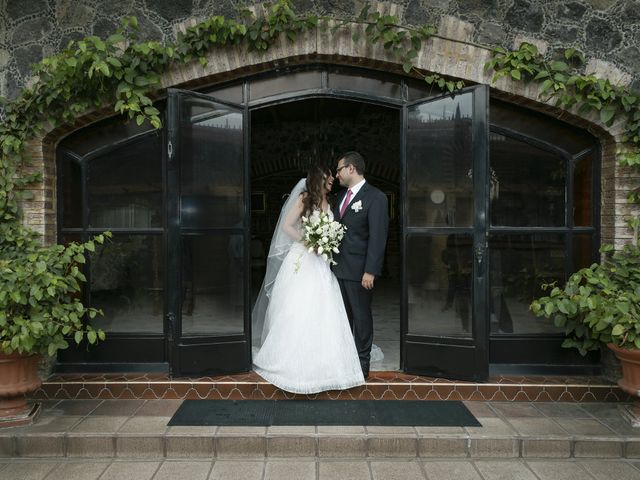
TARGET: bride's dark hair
(316,176)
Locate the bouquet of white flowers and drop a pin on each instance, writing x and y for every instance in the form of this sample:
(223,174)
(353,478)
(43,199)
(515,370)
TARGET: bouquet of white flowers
(322,235)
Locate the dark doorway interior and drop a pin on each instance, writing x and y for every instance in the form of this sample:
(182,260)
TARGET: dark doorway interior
(285,139)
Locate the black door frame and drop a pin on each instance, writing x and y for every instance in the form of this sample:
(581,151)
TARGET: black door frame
(200,354)
(449,356)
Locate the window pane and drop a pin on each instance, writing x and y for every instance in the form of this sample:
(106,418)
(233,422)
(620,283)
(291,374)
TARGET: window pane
(365,84)
(105,132)
(583,192)
(519,265)
(291,82)
(127,283)
(229,93)
(418,89)
(439,272)
(540,126)
(211,165)
(582,250)
(527,184)
(125,186)
(72,192)
(439,160)
(213,284)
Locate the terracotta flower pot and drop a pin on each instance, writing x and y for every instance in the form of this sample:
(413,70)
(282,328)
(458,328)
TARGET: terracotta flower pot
(630,359)
(18,377)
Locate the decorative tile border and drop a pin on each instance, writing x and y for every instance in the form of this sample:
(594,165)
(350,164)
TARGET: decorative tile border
(379,386)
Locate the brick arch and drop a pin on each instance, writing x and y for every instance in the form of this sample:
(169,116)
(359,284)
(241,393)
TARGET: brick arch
(452,58)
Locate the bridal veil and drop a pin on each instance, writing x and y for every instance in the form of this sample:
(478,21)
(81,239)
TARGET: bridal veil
(280,245)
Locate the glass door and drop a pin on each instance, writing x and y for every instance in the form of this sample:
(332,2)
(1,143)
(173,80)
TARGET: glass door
(444,329)
(207,311)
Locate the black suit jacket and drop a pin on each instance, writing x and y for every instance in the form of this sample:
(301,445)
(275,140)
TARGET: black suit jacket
(362,248)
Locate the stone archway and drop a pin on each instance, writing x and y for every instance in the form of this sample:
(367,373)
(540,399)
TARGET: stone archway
(455,57)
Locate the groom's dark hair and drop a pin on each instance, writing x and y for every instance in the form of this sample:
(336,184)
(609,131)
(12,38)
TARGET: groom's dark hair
(355,159)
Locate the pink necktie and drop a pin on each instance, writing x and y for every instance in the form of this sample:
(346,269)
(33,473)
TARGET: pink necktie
(345,203)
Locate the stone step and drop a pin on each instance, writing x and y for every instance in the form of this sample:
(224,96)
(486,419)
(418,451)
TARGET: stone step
(379,386)
(311,442)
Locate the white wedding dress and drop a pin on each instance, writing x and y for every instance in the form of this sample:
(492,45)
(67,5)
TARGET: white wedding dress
(307,345)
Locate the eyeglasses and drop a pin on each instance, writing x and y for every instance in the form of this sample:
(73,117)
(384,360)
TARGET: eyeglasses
(340,168)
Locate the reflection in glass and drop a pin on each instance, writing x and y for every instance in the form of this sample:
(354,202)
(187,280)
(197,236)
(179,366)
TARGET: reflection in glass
(582,251)
(125,186)
(519,266)
(127,283)
(72,192)
(530,184)
(212,284)
(439,161)
(537,125)
(211,165)
(291,82)
(583,191)
(417,89)
(362,84)
(106,132)
(229,93)
(439,272)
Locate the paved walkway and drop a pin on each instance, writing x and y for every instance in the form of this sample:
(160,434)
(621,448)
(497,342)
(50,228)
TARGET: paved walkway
(310,469)
(100,439)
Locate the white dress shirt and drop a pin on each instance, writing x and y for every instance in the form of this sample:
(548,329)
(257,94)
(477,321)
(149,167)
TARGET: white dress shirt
(354,191)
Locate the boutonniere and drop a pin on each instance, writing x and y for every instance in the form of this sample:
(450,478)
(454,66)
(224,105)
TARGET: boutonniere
(357,206)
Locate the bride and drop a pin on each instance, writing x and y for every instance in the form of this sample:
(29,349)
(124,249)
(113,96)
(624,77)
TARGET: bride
(300,325)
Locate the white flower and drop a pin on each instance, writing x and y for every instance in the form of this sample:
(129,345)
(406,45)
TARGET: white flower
(357,206)
(322,236)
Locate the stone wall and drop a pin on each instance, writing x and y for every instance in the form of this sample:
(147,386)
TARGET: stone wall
(604,29)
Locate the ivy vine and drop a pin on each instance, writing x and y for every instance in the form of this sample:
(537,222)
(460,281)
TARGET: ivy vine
(561,82)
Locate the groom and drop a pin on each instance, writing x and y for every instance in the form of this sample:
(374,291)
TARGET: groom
(362,208)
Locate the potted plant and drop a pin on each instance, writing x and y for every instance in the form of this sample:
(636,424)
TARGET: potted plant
(40,310)
(600,304)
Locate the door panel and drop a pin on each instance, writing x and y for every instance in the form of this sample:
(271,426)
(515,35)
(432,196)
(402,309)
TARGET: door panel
(207,235)
(444,231)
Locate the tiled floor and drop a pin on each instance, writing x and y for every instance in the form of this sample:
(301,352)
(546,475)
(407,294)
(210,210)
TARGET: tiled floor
(310,469)
(120,439)
(564,430)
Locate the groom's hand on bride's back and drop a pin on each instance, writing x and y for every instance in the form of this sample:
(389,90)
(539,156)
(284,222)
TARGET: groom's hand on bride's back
(367,280)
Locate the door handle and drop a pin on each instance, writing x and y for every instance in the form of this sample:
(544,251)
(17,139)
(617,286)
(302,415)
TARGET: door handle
(171,320)
(480,251)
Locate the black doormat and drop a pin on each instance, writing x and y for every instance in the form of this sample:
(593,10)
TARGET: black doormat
(323,412)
